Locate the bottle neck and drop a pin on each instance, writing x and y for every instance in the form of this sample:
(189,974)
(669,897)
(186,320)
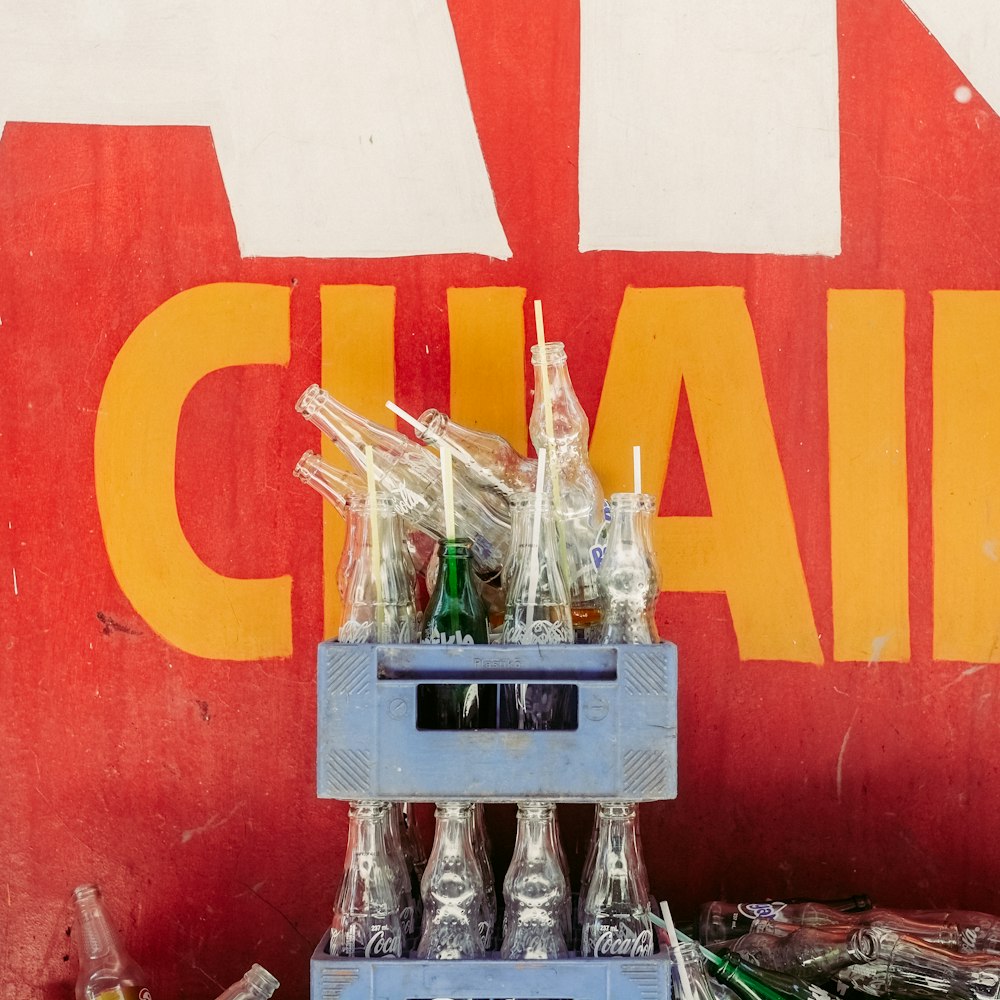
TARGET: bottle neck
(333,484)
(97,935)
(453,829)
(366,832)
(533,840)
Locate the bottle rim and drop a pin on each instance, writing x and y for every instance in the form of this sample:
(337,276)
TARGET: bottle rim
(309,401)
(259,976)
(432,423)
(554,353)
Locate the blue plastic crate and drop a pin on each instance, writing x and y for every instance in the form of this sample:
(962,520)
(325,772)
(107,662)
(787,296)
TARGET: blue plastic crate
(624,745)
(413,979)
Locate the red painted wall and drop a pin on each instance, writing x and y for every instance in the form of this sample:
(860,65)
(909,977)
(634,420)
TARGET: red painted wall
(185,786)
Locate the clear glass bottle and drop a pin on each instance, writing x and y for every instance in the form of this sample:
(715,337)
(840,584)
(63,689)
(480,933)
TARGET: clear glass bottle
(535,889)
(366,919)
(616,922)
(647,511)
(411,475)
(483,849)
(107,971)
(385,614)
(810,953)
(624,581)
(579,505)
(256,984)
(491,461)
(689,977)
(406,893)
(452,889)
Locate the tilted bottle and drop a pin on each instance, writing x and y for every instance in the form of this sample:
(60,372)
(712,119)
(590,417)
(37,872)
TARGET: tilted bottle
(411,475)
(615,914)
(626,581)
(534,890)
(366,919)
(490,461)
(107,971)
(256,984)
(722,921)
(335,485)
(452,889)
(750,982)
(810,953)
(380,603)
(537,613)
(578,499)
(689,977)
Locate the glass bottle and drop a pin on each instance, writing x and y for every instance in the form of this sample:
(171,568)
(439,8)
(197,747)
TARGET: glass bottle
(579,505)
(647,511)
(721,921)
(482,849)
(411,475)
(256,984)
(491,461)
(535,889)
(371,613)
(552,822)
(752,983)
(810,953)
(452,889)
(616,922)
(587,873)
(366,919)
(335,485)
(624,581)
(689,977)
(406,893)
(107,971)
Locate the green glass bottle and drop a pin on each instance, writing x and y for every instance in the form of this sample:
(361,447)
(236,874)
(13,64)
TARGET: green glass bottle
(456,615)
(753,983)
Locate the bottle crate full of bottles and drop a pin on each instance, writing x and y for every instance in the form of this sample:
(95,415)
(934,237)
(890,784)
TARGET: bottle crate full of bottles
(646,978)
(610,732)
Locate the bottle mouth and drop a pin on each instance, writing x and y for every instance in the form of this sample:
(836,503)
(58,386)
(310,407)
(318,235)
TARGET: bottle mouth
(432,424)
(305,467)
(86,893)
(259,976)
(550,353)
(309,402)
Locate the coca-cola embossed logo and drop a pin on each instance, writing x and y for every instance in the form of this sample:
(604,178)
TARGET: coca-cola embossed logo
(383,942)
(617,942)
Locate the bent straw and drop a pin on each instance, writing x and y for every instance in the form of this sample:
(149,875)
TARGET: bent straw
(373,529)
(551,434)
(636,469)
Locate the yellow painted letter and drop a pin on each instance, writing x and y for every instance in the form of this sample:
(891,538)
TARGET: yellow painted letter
(869,543)
(190,605)
(359,369)
(747,548)
(966,476)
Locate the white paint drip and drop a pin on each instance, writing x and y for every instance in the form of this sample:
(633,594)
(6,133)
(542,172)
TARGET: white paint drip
(14,573)
(843,751)
(878,644)
(990,549)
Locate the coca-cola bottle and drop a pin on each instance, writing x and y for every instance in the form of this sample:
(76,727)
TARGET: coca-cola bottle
(482,849)
(689,977)
(257,984)
(627,578)
(380,603)
(616,921)
(810,953)
(366,920)
(490,461)
(535,889)
(107,971)
(452,889)
(407,894)
(578,499)
(749,982)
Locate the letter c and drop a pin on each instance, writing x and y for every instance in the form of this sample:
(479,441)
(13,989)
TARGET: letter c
(190,605)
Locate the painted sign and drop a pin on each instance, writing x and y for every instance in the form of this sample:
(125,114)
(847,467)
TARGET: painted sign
(768,239)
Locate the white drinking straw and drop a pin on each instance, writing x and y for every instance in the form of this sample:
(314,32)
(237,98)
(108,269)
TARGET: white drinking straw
(551,434)
(373,528)
(448,493)
(400,412)
(536,528)
(686,990)
(636,469)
